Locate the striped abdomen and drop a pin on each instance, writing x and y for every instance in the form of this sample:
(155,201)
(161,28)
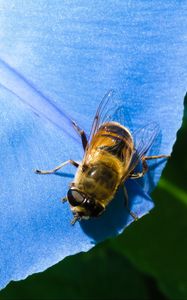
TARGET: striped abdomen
(106,162)
(116,140)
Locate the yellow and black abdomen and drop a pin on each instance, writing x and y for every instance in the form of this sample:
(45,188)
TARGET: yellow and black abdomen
(106,162)
(116,140)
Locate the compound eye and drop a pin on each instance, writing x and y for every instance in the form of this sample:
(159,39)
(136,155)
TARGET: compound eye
(75,198)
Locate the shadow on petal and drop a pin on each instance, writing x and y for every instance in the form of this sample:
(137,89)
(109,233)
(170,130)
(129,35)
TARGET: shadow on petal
(116,217)
(67,175)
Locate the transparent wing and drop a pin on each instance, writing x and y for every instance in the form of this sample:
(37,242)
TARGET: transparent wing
(109,110)
(101,113)
(27,93)
(143,140)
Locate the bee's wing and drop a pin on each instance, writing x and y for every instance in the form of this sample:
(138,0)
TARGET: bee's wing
(109,110)
(17,84)
(143,140)
(101,113)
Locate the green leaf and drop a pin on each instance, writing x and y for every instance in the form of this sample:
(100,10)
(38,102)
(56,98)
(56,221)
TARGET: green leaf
(157,244)
(99,274)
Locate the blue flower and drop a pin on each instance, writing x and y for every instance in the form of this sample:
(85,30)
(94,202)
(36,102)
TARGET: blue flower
(74,52)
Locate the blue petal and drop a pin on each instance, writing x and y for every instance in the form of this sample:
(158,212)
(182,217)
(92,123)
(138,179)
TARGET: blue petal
(74,52)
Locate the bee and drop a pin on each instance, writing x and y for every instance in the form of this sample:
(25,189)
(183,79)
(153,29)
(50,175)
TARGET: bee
(110,158)
(111,153)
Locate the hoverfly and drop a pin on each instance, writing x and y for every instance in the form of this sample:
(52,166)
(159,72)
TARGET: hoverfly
(110,158)
(111,154)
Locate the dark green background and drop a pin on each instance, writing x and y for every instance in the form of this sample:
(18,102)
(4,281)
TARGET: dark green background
(148,261)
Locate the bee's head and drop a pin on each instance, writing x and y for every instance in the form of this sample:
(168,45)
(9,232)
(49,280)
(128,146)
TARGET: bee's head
(82,205)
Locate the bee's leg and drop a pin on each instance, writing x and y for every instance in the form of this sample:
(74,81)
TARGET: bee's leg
(156,156)
(70,161)
(140,174)
(145,166)
(65,199)
(82,135)
(75,219)
(126,198)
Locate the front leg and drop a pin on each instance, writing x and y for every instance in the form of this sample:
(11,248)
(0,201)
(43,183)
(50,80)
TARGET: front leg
(64,199)
(75,219)
(44,172)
